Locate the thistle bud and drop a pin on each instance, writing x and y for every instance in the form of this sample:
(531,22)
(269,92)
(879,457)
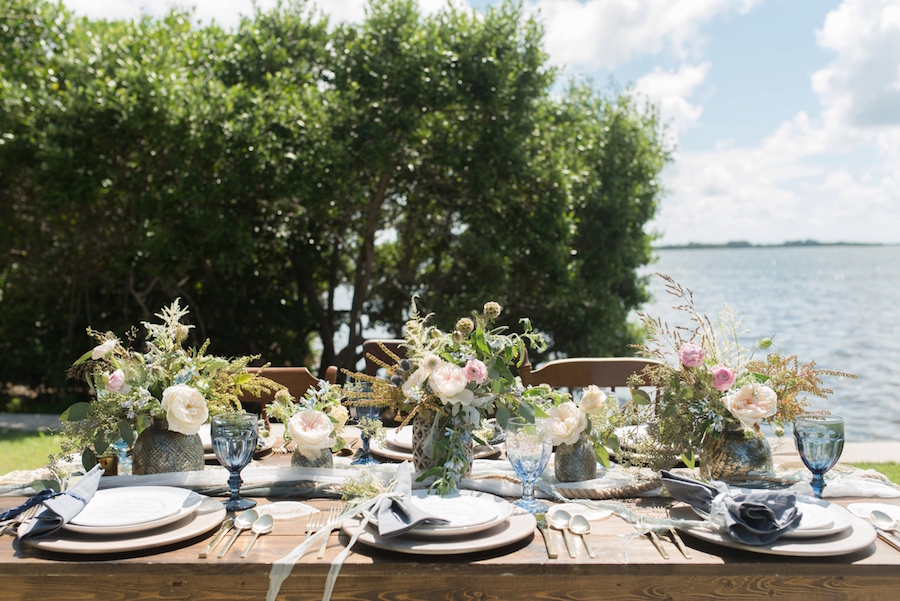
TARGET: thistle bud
(397,381)
(765,343)
(465,326)
(492,310)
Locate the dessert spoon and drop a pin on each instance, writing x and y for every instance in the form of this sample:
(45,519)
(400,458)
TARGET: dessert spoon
(559,520)
(581,526)
(263,525)
(241,523)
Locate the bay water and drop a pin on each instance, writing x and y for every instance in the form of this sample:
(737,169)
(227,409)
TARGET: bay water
(836,305)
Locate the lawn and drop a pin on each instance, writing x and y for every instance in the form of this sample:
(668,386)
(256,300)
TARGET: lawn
(26,450)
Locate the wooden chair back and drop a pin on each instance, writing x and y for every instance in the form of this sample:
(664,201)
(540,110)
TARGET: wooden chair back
(296,379)
(606,372)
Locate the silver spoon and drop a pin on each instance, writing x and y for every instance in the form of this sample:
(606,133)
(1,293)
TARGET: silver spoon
(581,526)
(263,525)
(883,521)
(559,520)
(241,523)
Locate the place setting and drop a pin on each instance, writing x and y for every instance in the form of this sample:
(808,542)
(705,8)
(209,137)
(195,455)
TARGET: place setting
(398,445)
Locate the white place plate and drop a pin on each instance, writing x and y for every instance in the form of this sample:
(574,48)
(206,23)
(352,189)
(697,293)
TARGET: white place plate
(402,439)
(389,452)
(514,529)
(117,507)
(190,504)
(856,537)
(468,511)
(208,516)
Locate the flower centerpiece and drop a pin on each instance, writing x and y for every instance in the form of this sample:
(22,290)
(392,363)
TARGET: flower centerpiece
(314,423)
(712,394)
(164,389)
(447,383)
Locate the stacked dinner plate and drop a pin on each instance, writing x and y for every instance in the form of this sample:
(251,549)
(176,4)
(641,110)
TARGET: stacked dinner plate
(398,446)
(825,529)
(134,518)
(477,522)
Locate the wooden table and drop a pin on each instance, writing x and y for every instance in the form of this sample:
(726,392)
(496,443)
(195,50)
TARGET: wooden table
(624,569)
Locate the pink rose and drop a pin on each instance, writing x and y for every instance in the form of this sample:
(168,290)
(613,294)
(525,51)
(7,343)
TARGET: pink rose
(723,377)
(691,355)
(476,371)
(116,382)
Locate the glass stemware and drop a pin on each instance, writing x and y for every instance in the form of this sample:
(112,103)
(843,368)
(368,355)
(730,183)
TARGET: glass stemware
(365,456)
(234,438)
(820,442)
(528,448)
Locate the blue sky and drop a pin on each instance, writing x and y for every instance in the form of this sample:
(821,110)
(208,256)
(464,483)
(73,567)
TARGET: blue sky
(785,114)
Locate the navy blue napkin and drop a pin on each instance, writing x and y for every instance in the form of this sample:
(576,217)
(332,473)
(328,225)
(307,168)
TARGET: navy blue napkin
(754,518)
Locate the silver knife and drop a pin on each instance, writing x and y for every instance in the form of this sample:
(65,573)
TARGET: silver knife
(545,531)
(226,526)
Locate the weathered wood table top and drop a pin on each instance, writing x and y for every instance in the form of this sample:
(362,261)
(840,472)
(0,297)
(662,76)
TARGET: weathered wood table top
(625,568)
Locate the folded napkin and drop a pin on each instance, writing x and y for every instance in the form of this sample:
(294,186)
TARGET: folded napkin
(396,515)
(755,518)
(63,507)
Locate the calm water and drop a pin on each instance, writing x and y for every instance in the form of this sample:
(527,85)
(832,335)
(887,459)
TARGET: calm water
(839,306)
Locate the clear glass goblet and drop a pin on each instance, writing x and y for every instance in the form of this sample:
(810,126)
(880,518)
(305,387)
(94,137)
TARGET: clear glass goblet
(820,442)
(234,438)
(528,448)
(365,456)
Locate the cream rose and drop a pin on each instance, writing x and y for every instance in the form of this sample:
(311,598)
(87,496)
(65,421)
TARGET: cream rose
(568,423)
(116,382)
(185,408)
(449,382)
(592,400)
(311,431)
(751,403)
(415,380)
(102,350)
(340,413)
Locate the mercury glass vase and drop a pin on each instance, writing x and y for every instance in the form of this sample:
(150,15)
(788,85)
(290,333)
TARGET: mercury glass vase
(159,450)
(421,424)
(324,459)
(736,455)
(576,462)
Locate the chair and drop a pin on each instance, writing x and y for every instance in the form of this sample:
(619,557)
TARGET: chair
(606,372)
(296,379)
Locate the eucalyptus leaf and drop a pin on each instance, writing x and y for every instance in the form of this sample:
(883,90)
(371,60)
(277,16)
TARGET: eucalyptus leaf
(126,432)
(640,396)
(76,412)
(39,485)
(88,459)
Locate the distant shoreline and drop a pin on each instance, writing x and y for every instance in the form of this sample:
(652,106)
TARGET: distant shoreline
(743,244)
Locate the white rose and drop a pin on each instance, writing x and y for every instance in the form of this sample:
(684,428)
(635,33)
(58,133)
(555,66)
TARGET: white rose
(414,381)
(340,413)
(751,403)
(311,431)
(568,423)
(185,408)
(449,382)
(102,350)
(592,400)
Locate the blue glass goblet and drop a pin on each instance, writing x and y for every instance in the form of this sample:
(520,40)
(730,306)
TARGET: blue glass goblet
(528,448)
(365,456)
(820,442)
(234,438)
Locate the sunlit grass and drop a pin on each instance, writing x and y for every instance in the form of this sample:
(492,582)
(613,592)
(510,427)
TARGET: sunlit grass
(891,470)
(26,450)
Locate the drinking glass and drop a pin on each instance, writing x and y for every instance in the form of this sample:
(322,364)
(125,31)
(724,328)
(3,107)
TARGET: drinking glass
(234,441)
(528,448)
(820,442)
(365,456)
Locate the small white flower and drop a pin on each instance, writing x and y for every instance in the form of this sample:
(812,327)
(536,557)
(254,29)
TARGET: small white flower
(103,350)
(592,400)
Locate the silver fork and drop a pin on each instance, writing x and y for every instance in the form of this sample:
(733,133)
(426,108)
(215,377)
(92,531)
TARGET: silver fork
(664,512)
(333,516)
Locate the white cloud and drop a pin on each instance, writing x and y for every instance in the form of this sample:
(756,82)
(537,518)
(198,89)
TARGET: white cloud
(670,91)
(606,33)
(809,177)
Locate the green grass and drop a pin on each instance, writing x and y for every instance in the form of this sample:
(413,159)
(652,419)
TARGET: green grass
(891,470)
(26,450)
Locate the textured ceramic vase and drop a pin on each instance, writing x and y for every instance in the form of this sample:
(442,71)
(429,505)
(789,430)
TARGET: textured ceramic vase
(159,450)
(576,462)
(421,425)
(735,457)
(324,460)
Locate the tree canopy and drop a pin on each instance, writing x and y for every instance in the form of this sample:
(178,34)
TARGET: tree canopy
(266,174)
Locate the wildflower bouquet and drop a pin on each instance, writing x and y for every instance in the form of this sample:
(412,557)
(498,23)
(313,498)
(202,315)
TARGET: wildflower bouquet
(314,422)
(452,380)
(714,384)
(165,384)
